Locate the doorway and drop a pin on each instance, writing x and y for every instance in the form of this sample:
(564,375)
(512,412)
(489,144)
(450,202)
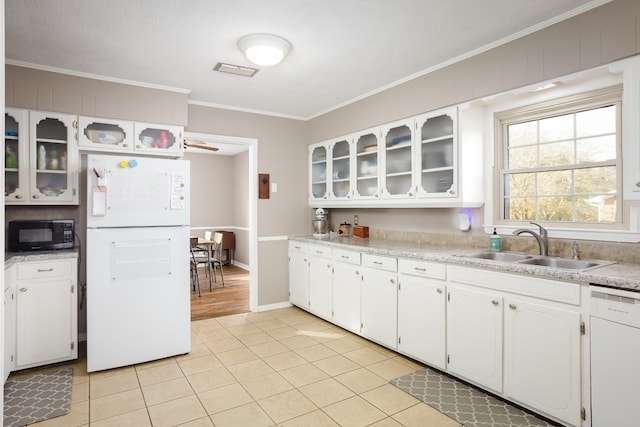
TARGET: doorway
(224,197)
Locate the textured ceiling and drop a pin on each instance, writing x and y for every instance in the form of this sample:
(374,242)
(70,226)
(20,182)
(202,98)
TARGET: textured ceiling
(342,49)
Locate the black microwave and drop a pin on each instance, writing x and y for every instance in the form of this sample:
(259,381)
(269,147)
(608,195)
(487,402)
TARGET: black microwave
(40,235)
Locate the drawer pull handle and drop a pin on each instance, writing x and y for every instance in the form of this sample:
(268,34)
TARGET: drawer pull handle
(378,262)
(345,256)
(439,290)
(45,270)
(319,252)
(297,247)
(494,302)
(24,289)
(419,268)
(512,306)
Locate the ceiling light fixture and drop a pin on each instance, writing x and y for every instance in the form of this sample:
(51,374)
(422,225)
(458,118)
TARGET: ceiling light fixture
(264,49)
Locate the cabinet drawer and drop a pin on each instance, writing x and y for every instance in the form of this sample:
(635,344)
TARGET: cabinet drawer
(350,257)
(422,268)
(380,262)
(297,246)
(43,270)
(320,250)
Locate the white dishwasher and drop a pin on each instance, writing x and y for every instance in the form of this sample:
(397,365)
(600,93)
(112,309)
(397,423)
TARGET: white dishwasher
(615,357)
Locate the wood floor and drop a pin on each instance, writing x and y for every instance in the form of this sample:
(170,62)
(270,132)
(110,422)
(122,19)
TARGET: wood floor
(232,299)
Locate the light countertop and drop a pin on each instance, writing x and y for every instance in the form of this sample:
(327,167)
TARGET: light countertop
(11,258)
(623,276)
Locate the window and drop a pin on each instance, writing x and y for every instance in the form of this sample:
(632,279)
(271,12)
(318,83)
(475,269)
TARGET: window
(559,162)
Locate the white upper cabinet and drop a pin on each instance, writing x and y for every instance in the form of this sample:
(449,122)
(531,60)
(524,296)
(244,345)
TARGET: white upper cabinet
(53,159)
(397,140)
(104,134)
(159,140)
(41,158)
(121,136)
(341,159)
(318,173)
(366,184)
(16,155)
(431,160)
(437,152)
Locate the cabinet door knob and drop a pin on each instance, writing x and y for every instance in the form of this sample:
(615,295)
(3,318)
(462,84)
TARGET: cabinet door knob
(24,289)
(638,184)
(35,196)
(392,281)
(439,290)
(494,302)
(512,306)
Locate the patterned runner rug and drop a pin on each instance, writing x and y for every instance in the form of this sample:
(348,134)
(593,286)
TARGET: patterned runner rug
(37,397)
(465,404)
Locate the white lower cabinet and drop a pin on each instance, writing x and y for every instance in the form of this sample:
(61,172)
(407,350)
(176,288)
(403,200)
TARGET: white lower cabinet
(299,274)
(523,329)
(347,282)
(474,336)
(542,357)
(320,281)
(380,299)
(46,312)
(517,336)
(421,311)
(9,339)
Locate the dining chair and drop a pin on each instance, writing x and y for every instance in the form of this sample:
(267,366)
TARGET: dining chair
(199,256)
(216,255)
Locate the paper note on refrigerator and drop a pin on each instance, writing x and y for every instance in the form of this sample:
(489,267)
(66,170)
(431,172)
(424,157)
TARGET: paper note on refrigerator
(99,200)
(178,192)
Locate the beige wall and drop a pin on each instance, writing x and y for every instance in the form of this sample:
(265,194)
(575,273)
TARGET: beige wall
(42,90)
(282,153)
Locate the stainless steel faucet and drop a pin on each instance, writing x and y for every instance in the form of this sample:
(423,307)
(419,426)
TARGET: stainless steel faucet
(541,238)
(576,254)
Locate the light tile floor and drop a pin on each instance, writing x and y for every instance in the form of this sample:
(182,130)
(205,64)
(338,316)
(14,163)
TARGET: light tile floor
(282,367)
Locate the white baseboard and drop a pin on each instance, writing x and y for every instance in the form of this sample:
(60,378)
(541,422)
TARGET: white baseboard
(275,306)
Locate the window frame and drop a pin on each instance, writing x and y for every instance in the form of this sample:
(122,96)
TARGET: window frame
(550,108)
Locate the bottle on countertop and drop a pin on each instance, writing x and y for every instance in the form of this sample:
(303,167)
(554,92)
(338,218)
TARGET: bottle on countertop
(494,241)
(42,157)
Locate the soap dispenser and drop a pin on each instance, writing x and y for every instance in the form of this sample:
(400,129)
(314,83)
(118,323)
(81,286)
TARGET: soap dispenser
(494,241)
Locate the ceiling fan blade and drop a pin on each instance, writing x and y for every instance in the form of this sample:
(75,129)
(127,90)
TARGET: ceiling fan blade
(199,144)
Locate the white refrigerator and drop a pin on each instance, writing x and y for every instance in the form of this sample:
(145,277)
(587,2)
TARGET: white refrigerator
(138,302)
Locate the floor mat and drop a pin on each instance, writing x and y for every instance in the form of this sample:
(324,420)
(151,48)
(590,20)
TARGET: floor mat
(465,404)
(38,397)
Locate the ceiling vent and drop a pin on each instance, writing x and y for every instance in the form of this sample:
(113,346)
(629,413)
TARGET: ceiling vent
(235,69)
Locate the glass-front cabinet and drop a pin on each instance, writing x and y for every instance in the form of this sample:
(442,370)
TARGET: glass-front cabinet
(341,169)
(318,172)
(430,160)
(159,140)
(16,155)
(105,134)
(437,154)
(53,158)
(398,160)
(367,154)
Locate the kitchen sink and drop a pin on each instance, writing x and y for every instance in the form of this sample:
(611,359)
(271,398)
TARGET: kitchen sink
(542,261)
(564,263)
(499,256)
